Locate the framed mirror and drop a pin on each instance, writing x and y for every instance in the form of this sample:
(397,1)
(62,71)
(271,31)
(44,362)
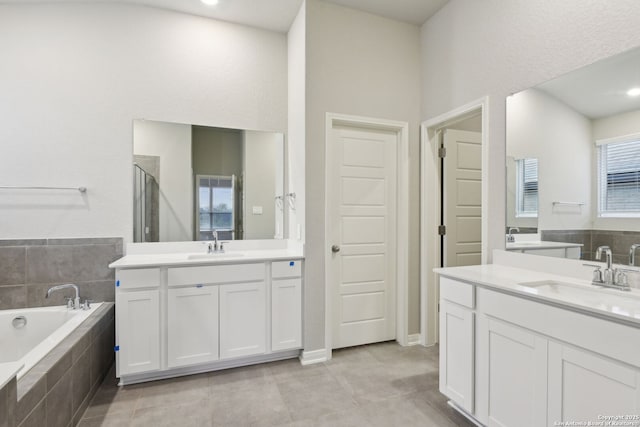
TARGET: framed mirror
(583,130)
(191,181)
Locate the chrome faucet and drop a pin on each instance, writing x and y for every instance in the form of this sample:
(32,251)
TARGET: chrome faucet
(76,300)
(510,237)
(215,240)
(610,277)
(632,253)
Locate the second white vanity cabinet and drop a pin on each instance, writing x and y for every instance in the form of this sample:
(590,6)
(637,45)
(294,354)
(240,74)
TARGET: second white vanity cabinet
(513,361)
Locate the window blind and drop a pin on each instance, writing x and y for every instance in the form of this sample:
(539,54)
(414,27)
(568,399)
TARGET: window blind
(527,187)
(619,178)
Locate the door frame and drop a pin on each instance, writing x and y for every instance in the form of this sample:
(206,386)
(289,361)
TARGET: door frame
(430,199)
(401,129)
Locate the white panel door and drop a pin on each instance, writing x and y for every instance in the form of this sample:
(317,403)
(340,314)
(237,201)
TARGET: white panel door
(138,340)
(456,354)
(192,325)
(362,216)
(584,386)
(515,372)
(243,325)
(462,195)
(286,314)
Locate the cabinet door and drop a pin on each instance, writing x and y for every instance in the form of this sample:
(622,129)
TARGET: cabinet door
(514,375)
(286,314)
(584,386)
(456,354)
(243,323)
(138,331)
(192,325)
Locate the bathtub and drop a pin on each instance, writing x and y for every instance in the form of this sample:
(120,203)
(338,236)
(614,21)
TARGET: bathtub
(27,335)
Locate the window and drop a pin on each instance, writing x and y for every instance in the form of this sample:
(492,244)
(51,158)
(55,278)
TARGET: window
(527,188)
(215,206)
(619,179)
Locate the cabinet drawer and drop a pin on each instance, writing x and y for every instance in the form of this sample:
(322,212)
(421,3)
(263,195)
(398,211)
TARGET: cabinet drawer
(286,269)
(138,278)
(216,274)
(458,292)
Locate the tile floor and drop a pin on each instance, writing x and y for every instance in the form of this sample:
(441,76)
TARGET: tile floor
(373,385)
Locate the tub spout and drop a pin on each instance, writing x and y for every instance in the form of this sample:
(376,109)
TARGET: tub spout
(76,300)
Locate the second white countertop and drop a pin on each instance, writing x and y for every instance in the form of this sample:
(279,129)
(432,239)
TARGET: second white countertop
(578,294)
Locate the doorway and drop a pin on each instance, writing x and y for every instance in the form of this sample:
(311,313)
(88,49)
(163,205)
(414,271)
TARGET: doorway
(453,222)
(366,231)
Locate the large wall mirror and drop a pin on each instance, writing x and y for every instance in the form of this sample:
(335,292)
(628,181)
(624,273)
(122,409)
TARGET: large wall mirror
(573,162)
(191,180)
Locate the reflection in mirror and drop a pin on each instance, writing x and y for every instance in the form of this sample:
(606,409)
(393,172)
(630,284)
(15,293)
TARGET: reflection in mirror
(522,194)
(584,130)
(191,181)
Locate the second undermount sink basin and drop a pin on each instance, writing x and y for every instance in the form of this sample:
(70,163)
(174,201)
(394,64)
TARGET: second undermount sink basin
(611,299)
(215,255)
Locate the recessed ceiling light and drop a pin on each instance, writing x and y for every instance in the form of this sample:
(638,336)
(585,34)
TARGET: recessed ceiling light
(210,2)
(634,91)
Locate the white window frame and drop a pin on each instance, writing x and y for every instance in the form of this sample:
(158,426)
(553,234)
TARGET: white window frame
(520,192)
(602,145)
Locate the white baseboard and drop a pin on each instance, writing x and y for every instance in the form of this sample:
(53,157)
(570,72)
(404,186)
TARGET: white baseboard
(314,356)
(413,339)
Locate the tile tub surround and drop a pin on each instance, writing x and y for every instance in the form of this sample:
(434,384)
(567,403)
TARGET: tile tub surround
(8,399)
(29,267)
(380,384)
(58,389)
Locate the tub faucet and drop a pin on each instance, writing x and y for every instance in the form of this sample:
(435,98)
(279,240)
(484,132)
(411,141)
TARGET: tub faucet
(632,253)
(76,300)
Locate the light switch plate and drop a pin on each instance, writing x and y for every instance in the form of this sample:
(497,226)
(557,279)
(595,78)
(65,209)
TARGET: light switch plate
(257,210)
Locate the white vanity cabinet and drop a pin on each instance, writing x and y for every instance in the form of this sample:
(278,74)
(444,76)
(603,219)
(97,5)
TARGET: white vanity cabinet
(513,361)
(182,319)
(138,325)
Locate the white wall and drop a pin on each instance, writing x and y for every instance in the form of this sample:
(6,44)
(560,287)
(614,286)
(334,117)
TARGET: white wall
(364,65)
(539,126)
(296,44)
(74,76)
(262,155)
(610,127)
(475,48)
(172,143)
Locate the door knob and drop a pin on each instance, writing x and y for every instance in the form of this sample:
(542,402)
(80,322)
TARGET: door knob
(335,248)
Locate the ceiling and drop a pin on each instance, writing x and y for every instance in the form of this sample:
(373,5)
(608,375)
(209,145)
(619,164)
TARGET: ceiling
(277,15)
(600,90)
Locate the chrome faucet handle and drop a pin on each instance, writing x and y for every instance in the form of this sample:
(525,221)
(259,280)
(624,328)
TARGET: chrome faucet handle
(597,273)
(221,247)
(86,305)
(69,302)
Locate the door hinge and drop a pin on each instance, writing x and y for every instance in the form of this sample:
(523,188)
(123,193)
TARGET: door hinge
(442,152)
(442,230)
(438,307)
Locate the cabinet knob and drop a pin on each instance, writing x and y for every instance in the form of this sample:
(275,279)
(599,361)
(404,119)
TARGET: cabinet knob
(335,248)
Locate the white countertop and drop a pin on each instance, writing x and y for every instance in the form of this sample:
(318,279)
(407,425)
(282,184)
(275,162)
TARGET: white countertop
(532,245)
(8,371)
(613,304)
(182,259)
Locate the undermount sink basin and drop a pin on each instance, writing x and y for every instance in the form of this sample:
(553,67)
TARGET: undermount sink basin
(216,255)
(611,299)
